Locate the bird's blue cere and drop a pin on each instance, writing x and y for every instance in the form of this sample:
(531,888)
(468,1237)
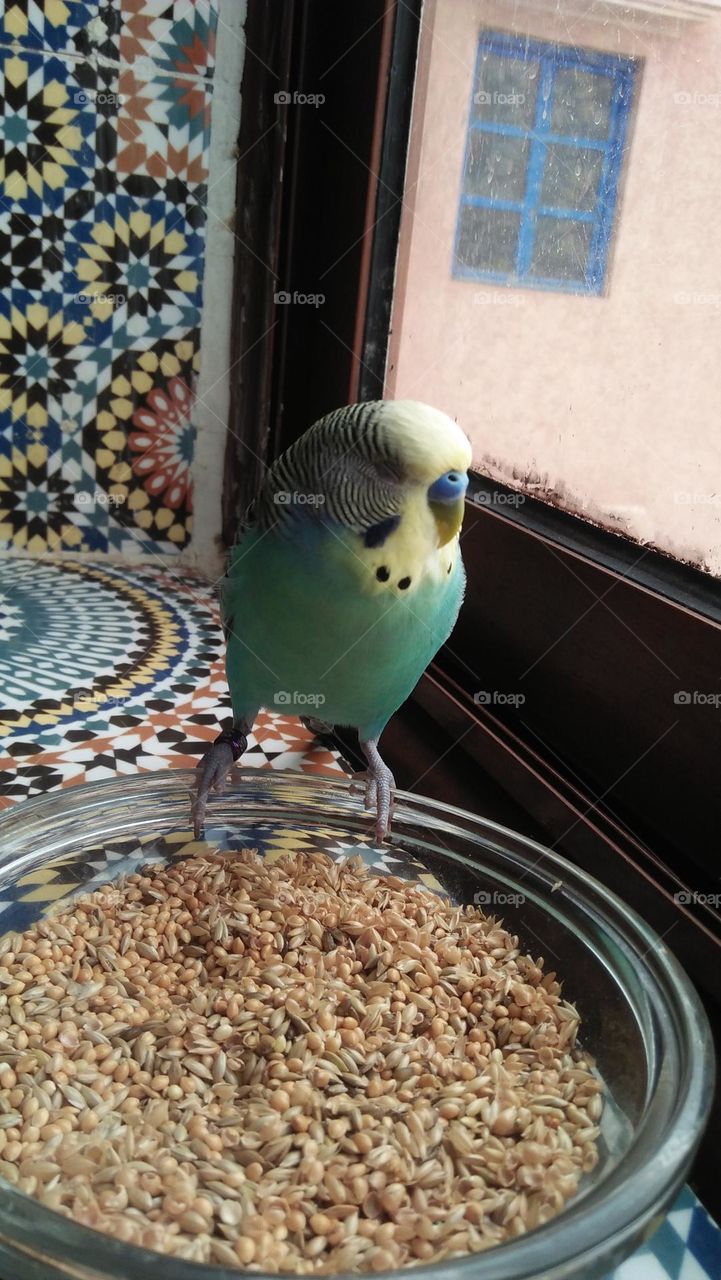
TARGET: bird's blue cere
(449,487)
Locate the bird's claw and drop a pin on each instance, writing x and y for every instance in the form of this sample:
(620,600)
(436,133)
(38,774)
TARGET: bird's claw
(212,774)
(378,786)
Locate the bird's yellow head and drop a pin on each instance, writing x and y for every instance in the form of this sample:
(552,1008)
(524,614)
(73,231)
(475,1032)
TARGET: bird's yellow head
(435,455)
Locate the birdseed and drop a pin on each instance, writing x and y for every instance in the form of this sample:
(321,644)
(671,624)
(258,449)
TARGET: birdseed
(297,1067)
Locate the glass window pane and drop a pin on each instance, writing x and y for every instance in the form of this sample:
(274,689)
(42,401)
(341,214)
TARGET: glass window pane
(571,177)
(505,90)
(488,239)
(581,103)
(560,251)
(496,166)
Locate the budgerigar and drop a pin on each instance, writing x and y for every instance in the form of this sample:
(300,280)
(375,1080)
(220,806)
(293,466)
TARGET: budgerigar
(347,580)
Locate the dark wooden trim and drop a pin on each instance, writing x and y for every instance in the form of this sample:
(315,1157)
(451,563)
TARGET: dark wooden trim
(399,77)
(600,660)
(318,212)
(330,173)
(261,155)
(679,583)
(572,767)
(365,269)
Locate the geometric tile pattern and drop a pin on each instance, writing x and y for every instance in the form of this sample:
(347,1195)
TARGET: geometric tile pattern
(60,25)
(686,1246)
(134,267)
(178,35)
(31,252)
(108,671)
(141,436)
(48,124)
(104,143)
(39,349)
(164,127)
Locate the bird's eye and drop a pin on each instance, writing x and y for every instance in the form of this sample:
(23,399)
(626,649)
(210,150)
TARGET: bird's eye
(449,487)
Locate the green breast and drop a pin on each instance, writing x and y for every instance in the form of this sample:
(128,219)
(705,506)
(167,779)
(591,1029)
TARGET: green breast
(306,638)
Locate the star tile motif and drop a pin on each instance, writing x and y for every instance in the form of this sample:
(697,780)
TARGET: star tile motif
(31,252)
(39,350)
(72,25)
(164,127)
(47,126)
(36,502)
(104,144)
(136,266)
(178,35)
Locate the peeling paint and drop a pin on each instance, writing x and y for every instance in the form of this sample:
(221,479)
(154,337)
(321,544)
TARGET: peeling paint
(633,521)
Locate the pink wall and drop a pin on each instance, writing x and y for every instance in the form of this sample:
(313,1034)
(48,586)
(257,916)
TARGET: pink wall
(607,406)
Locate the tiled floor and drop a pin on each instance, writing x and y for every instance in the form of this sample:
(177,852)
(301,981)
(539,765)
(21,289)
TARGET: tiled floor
(106,670)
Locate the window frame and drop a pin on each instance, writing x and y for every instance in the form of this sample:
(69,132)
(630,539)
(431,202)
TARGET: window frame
(552,58)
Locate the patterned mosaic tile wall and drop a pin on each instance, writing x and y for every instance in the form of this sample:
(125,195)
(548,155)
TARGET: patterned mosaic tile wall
(104,145)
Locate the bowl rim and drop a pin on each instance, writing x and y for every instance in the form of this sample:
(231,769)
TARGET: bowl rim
(598,1225)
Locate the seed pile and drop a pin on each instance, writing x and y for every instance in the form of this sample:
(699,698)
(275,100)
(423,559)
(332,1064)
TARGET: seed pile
(297,1067)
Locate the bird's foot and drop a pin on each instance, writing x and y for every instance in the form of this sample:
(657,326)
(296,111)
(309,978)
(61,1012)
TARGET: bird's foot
(213,770)
(379,786)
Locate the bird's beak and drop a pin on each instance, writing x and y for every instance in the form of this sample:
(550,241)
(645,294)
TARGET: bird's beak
(449,518)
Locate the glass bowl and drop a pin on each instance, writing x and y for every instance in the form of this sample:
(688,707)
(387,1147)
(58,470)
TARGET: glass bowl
(641,1018)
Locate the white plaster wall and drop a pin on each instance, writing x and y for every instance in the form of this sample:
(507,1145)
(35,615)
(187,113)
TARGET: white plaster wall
(606,406)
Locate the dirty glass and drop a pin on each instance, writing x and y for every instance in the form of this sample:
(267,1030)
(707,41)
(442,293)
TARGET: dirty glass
(496,166)
(488,239)
(571,177)
(559,260)
(546,132)
(505,90)
(581,103)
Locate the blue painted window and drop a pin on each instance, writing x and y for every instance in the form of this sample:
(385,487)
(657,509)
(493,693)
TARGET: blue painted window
(543,161)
